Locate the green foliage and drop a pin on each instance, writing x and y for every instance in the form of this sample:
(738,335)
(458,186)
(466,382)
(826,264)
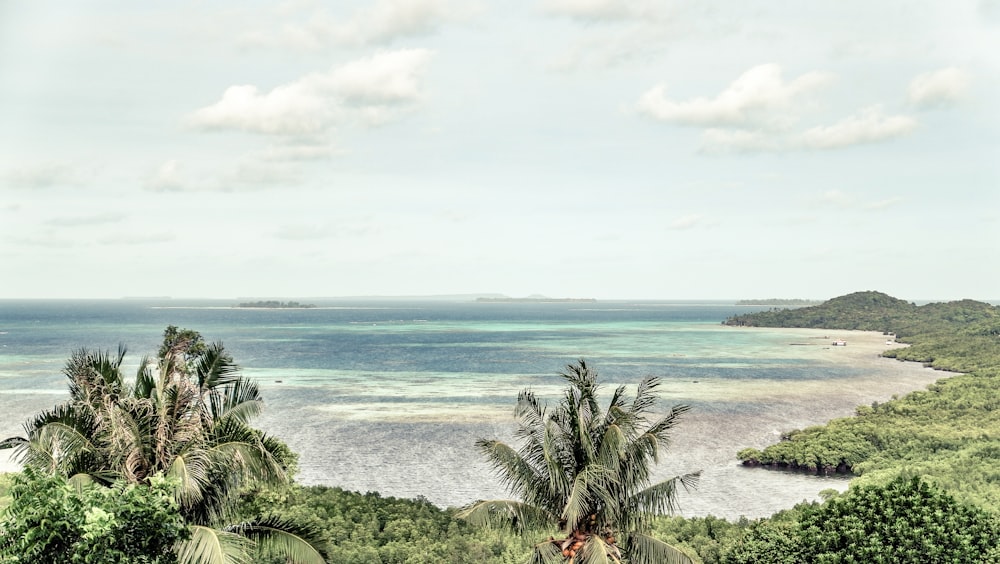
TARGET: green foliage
(905,521)
(702,538)
(185,415)
(187,343)
(372,528)
(587,470)
(50,521)
(766,540)
(869,311)
(948,432)
(6,482)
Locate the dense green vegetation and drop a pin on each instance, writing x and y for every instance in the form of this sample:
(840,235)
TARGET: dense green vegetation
(585,471)
(949,433)
(48,521)
(372,528)
(905,521)
(185,416)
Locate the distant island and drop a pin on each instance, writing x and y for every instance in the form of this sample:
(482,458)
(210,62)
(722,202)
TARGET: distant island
(274,304)
(778,302)
(534,299)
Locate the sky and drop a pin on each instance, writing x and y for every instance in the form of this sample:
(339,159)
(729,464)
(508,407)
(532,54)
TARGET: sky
(609,149)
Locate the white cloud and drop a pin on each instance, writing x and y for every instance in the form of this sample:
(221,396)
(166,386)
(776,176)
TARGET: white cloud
(759,96)
(374,90)
(761,112)
(292,109)
(939,88)
(167,178)
(869,125)
(387,78)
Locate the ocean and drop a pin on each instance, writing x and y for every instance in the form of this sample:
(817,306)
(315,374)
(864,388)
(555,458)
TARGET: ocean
(390,395)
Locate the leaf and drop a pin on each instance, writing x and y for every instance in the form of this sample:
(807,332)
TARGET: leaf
(505,513)
(296,542)
(213,546)
(644,549)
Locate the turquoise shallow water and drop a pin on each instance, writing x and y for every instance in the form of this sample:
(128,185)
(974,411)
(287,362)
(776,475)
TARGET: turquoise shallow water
(390,396)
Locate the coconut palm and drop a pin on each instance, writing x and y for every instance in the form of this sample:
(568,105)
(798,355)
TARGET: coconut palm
(588,471)
(186,416)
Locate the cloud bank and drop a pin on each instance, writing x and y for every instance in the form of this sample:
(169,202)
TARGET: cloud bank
(939,88)
(373,91)
(761,111)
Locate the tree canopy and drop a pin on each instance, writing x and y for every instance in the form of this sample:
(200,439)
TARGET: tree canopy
(186,416)
(587,470)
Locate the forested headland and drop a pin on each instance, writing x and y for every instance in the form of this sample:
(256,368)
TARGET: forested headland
(166,468)
(949,433)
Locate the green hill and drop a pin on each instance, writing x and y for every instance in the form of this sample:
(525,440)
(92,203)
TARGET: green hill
(949,433)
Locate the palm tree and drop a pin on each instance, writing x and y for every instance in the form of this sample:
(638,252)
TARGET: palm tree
(587,471)
(186,416)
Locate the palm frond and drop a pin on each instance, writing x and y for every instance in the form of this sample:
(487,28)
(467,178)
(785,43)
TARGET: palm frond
(515,474)
(558,465)
(505,513)
(13,442)
(644,549)
(240,400)
(193,473)
(596,551)
(93,373)
(546,553)
(129,439)
(660,498)
(657,436)
(215,367)
(59,445)
(145,381)
(294,541)
(612,448)
(247,460)
(588,468)
(213,546)
(590,489)
(644,395)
